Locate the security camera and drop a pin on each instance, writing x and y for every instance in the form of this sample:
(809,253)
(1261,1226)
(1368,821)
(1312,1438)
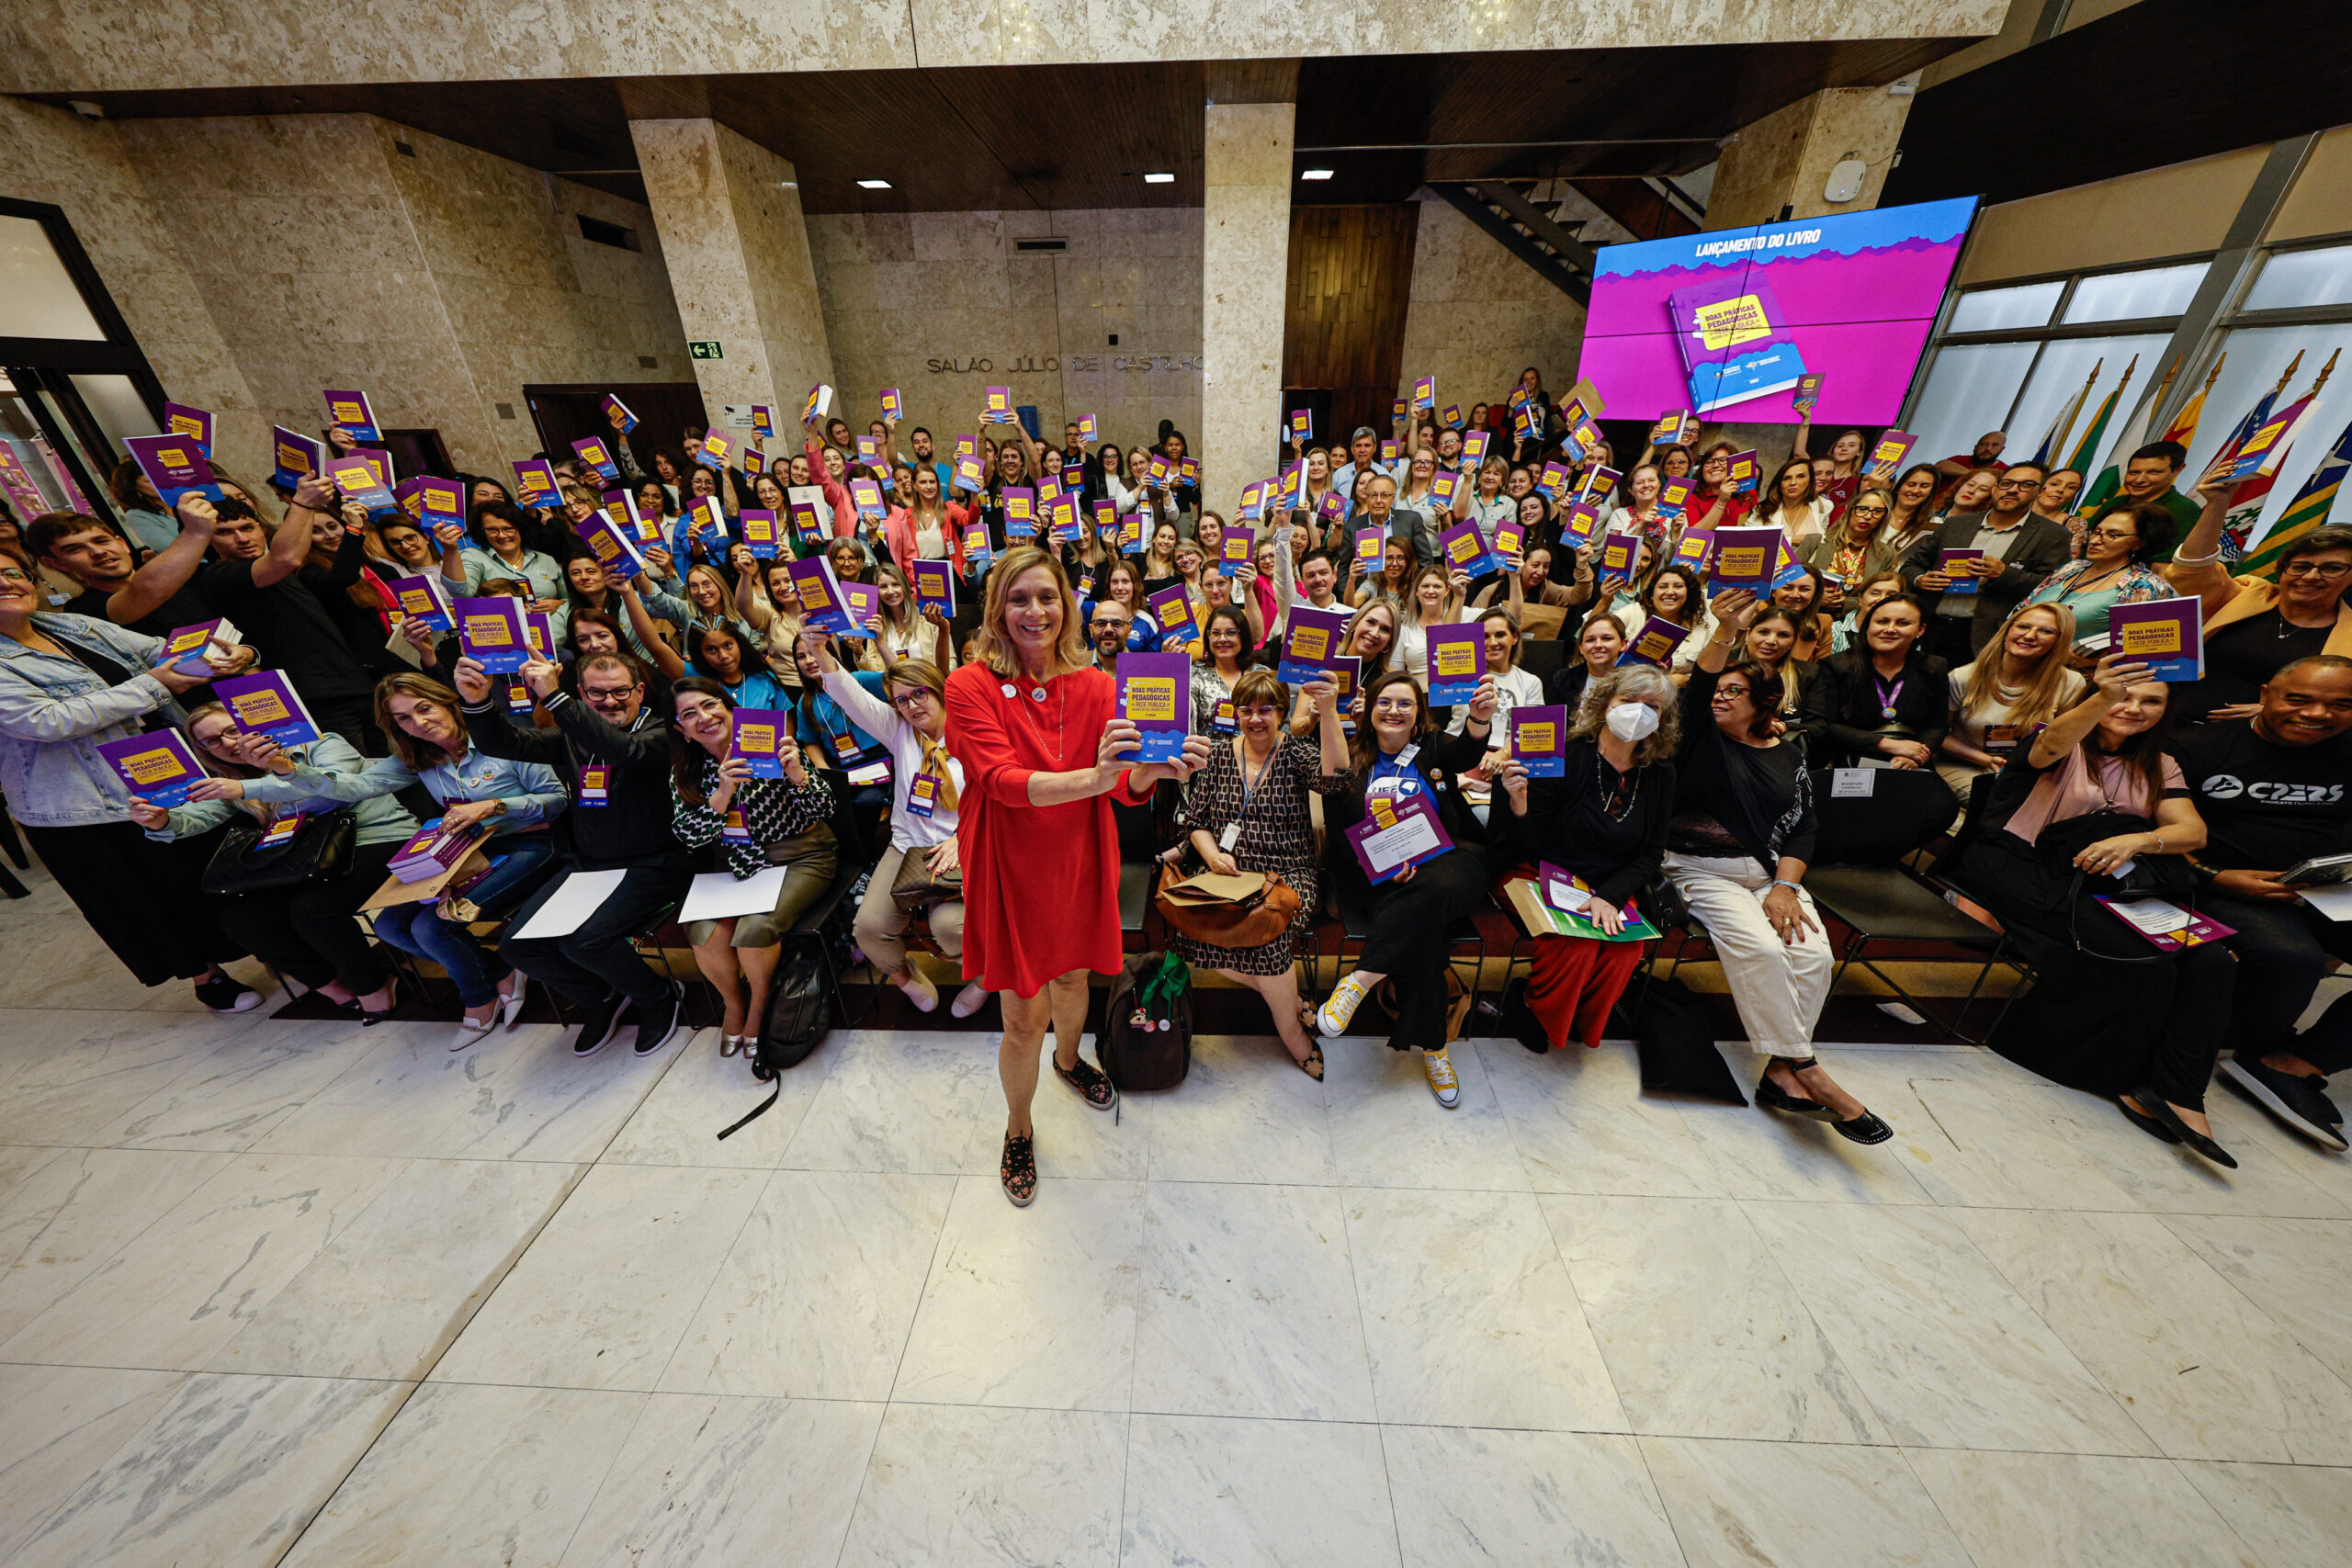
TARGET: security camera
(86,109)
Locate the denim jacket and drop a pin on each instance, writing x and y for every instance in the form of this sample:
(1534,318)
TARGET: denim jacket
(381,819)
(54,712)
(533,793)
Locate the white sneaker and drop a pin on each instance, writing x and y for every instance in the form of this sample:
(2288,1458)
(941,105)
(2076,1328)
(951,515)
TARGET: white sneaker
(969,1000)
(1442,1082)
(922,992)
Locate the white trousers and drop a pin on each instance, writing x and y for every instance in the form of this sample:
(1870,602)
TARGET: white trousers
(1778,989)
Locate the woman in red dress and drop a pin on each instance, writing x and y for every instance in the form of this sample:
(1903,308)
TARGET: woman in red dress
(1034,724)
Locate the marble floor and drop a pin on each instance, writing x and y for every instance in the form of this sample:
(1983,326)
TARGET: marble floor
(301,1292)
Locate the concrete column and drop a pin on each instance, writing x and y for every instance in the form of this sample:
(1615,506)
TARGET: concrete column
(1784,158)
(1245,270)
(737,248)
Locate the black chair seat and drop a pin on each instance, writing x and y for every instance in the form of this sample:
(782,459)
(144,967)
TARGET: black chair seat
(1135,883)
(1887,904)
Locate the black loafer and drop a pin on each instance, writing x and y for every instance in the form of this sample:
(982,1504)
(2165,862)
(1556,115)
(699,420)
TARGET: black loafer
(2183,1134)
(1867,1128)
(1774,1098)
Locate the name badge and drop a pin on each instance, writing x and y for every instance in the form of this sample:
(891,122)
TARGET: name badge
(1230,836)
(280,831)
(518,698)
(1086,588)
(845,748)
(922,796)
(595,781)
(734,831)
(1224,723)
(2001,738)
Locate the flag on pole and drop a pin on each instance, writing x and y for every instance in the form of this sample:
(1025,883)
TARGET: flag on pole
(2134,435)
(2087,447)
(2056,436)
(2308,511)
(2183,425)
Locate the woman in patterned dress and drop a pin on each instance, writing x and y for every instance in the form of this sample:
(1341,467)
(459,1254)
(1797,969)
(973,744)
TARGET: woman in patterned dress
(1246,811)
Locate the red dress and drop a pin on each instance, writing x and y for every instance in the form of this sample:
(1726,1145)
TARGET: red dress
(1041,883)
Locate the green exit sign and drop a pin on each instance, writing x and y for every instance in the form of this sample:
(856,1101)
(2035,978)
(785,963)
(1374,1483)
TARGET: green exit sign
(704,348)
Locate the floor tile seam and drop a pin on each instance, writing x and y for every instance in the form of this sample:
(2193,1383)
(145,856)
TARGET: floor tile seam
(686,1323)
(1592,1330)
(513,1260)
(1951,1527)
(2257,1308)
(1788,1282)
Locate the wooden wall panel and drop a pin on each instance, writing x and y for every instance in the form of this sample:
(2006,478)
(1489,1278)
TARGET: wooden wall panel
(1344,322)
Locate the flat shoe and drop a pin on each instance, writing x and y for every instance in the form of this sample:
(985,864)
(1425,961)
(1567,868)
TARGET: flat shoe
(2145,1122)
(1867,1128)
(2164,1115)
(1773,1096)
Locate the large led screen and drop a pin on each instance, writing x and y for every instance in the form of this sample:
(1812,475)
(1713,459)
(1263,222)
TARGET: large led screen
(1727,322)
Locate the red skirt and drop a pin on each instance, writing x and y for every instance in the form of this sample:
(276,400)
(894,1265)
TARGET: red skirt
(1575,983)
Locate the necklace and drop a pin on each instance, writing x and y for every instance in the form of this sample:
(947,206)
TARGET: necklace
(1630,783)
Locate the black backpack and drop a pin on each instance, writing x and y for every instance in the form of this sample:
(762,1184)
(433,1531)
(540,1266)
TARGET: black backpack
(1676,1042)
(1147,1037)
(800,1011)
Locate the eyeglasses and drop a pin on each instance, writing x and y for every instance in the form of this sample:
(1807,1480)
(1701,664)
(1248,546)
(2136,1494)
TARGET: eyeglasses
(1861,511)
(2017,484)
(1731,691)
(11,574)
(2330,569)
(2113,535)
(911,701)
(1263,711)
(609,694)
(1395,704)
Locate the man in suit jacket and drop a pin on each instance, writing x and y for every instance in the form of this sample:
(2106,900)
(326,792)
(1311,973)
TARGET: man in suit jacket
(2020,548)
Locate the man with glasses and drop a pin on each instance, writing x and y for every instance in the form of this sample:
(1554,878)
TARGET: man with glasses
(614,758)
(1107,630)
(1967,603)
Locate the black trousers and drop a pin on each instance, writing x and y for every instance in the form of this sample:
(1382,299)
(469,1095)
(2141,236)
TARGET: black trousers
(1409,938)
(1954,637)
(143,898)
(2282,947)
(598,959)
(311,933)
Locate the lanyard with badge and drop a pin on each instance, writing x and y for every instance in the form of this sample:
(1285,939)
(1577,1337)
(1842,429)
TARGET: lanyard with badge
(595,784)
(1250,787)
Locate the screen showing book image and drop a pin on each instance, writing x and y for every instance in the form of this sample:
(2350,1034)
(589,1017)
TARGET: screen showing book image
(1155,694)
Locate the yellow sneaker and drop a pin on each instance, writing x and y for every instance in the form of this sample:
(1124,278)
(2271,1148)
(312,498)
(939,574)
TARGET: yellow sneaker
(1442,1082)
(1332,1017)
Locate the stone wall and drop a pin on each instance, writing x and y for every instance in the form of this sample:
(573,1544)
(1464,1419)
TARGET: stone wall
(942,304)
(1479,315)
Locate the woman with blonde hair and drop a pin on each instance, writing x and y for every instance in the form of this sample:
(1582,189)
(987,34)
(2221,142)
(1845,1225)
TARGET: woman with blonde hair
(2017,684)
(1035,725)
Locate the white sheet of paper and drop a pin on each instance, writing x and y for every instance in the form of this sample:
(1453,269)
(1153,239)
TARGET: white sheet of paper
(2152,916)
(576,897)
(1392,847)
(2333,900)
(716,895)
(1564,898)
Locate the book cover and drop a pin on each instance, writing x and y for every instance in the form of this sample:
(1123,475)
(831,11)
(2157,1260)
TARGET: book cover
(490,632)
(1346,671)
(760,532)
(297,455)
(614,550)
(159,767)
(1539,738)
(175,468)
(1947,560)
(1746,472)
(1654,643)
(1474,448)
(816,405)
(423,598)
(1049,486)
(1334,506)
(978,551)
(1310,643)
(1456,661)
(706,517)
(1370,544)
(1510,542)
(866,495)
(1396,410)
(592,452)
(1887,457)
(810,512)
(1131,539)
(1692,548)
(267,703)
(1451,416)
(869,450)
(763,419)
(1253,500)
(195,423)
(1302,425)
(965,447)
(1156,472)
(435,847)
(861,601)
(1061,520)
(1463,549)
(1600,483)
(1747,557)
(1088,426)
(1425,393)
(613,405)
(934,583)
(996,405)
(1238,548)
(1808,392)
(1396,832)
(1387,452)
(1673,496)
(1579,523)
(1172,608)
(534,484)
(2167,635)
(1566,897)
(893,405)
(1553,480)
(1020,512)
(762,736)
(1618,553)
(717,449)
(356,477)
(438,501)
(1734,346)
(1155,696)
(967,472)
(821,593)
(538,631)
(1106,519)
(187,648)
(350,411)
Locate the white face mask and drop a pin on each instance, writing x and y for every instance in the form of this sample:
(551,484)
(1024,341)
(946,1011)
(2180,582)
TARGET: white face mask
(1631,722)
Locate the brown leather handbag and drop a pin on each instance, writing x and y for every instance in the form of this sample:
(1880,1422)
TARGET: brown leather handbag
(1251,922)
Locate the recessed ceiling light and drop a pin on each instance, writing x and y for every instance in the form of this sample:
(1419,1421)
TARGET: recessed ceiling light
(1315,175)
(874,184)
(1160,179)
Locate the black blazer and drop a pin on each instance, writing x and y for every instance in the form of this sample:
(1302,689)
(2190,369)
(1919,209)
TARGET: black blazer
(1844,721)
(2041,548)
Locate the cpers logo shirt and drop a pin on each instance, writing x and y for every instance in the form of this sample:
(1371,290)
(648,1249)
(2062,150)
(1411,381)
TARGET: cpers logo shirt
(2229,786)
